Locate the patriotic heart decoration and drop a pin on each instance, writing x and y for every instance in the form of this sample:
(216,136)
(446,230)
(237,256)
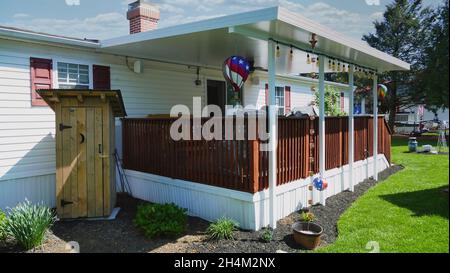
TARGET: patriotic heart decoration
(382,91)
(236,70)
(320,184)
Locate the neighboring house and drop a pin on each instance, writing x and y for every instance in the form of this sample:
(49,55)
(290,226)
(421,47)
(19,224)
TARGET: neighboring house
(150,82)
(408,120)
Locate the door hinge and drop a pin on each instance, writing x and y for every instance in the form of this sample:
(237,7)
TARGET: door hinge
(63,127)
(65,203)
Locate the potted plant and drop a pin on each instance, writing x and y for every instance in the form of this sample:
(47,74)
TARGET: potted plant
(306,233)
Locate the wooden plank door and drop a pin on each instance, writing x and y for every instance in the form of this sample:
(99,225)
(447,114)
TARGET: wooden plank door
(81,193)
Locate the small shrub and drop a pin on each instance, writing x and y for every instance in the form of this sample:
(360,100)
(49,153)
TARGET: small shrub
(158,219)
(28,223)
(308,216)
(222,229)
(2,226)
(266,234)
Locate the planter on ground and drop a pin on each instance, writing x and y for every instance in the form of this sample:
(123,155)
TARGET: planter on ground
(307,234)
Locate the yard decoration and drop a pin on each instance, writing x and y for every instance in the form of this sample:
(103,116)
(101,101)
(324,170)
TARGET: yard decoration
(306,233)
(382,91)
(236,70)
(320,184)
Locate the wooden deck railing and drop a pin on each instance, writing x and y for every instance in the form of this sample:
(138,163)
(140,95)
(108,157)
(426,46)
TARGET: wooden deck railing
(240,164)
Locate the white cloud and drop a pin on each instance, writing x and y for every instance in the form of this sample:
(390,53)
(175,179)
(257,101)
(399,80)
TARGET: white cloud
(20,15)
(376,16)
(170,8)
(106,25)
(73,2)
(350,23)
(175,12)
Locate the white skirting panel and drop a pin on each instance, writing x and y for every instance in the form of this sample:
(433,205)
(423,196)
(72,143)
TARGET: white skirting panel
(207,202)
(251,211)
(37,189)
(295,195)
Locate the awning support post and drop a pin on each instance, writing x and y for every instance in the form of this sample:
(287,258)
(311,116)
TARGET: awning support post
(272,135)
(351,128)
(322,123)
(375,127)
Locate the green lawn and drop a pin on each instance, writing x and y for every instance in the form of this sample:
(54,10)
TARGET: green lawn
(408,212)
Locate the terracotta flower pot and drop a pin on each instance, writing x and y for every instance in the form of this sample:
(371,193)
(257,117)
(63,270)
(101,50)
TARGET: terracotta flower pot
(307,234)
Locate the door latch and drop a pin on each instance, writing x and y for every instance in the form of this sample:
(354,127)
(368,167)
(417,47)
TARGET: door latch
(65,203)
(63,127)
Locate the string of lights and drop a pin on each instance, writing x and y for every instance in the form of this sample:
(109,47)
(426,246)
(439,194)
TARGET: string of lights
(334,64)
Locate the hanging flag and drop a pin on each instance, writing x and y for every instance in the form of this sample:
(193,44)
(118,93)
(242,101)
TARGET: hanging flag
(420,111)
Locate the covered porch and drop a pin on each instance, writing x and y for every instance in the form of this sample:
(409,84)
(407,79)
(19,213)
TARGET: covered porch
(234,177)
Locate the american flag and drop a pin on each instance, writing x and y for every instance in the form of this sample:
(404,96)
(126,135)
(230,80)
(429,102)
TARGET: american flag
(420,111)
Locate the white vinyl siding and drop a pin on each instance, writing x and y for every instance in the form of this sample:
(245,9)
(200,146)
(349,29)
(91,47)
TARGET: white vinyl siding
(27,145)
(301,94)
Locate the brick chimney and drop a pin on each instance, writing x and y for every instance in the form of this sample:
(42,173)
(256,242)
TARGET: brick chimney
(143,16)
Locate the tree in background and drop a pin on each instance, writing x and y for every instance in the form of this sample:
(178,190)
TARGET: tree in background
(432,82)
(403,33)
(332,102)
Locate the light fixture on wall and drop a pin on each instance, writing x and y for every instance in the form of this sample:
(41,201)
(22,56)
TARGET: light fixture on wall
(138,67)
(198,82)
(278,53)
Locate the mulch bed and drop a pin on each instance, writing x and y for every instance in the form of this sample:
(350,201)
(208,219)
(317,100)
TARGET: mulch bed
(120,235)
(327,216)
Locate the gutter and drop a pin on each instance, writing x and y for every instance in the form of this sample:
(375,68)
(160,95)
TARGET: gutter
(16,34)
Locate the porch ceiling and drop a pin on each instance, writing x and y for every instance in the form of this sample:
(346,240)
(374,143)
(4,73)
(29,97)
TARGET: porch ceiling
(210,42)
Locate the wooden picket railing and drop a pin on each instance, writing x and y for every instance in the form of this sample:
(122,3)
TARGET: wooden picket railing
(241,164)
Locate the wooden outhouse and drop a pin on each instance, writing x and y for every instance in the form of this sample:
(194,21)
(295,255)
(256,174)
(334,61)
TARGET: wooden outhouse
(85,147)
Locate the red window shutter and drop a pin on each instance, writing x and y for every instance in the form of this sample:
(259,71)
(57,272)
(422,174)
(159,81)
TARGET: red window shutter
(342,101)
(102,77)
(287,98)
(267,94)
(41,78)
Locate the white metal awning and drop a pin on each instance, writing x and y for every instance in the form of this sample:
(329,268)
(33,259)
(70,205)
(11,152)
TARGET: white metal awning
(210,42)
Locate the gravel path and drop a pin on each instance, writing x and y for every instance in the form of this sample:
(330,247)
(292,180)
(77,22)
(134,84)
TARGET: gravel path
(120,235)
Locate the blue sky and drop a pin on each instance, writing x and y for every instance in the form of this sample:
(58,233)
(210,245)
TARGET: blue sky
(103,19)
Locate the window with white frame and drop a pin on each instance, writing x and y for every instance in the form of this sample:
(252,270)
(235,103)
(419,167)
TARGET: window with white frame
(73,76)
(279,99)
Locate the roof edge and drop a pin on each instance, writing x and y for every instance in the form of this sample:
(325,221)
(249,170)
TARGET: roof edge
(293,18)
(255,16)
(22,34)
